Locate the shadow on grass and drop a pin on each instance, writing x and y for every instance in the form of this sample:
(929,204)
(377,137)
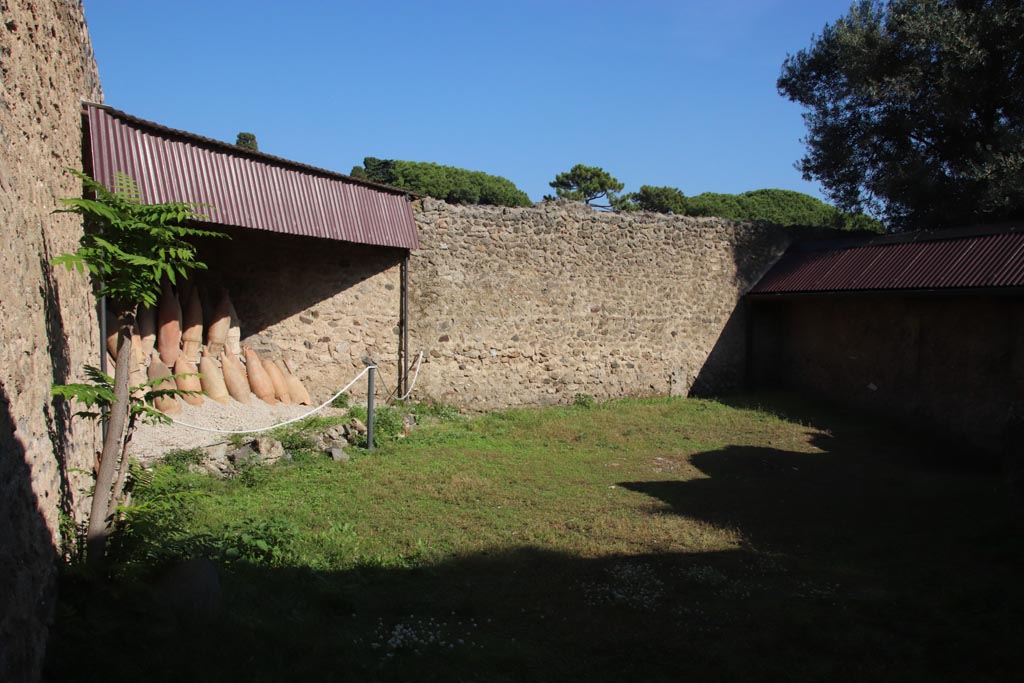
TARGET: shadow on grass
(859,565)
(913,540)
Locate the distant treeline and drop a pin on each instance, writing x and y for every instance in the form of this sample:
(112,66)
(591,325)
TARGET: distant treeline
(460,186)
(453,185)
(783,207)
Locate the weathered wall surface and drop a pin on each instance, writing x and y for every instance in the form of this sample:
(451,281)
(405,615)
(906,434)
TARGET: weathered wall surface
(321,305)
(47,320)
(536,305)
(953,362)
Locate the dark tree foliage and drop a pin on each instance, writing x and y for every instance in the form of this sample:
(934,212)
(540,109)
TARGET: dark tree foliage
(916,110)
(588,184)
(656,199)
(247,141)
(782,207)
(454,185)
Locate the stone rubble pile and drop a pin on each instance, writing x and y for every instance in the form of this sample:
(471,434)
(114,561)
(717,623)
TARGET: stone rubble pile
(224,459)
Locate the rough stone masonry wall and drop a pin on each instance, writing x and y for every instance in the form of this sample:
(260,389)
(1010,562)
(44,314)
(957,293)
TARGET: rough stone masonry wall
(47,319)
(320,305)
(535,305)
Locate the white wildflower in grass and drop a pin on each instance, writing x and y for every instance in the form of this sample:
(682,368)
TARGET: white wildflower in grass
(704,575)
(633,585)
(417,635)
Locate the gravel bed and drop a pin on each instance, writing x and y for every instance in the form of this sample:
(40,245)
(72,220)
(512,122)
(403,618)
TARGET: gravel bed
(152,441)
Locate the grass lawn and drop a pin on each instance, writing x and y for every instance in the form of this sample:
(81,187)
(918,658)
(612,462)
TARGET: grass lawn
(655,540)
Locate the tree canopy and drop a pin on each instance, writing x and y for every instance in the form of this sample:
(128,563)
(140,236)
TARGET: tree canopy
(588,184)
(247,141)
(916,110)
(656,199)
(782,207)
(453,185)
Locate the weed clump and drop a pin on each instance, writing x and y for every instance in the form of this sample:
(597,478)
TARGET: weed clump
(388,423)
(180,459)
(584,401)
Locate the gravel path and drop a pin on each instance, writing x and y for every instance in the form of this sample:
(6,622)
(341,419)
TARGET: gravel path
(152,441)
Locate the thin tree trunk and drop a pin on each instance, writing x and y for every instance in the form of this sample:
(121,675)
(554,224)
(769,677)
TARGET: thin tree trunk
(99,520)
(122,472)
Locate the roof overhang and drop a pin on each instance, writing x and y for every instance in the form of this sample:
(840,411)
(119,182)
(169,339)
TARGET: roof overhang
(989,259)
(238,187)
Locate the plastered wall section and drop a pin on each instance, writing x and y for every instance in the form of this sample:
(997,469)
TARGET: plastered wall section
(47,318)
(952,364)
(535,305)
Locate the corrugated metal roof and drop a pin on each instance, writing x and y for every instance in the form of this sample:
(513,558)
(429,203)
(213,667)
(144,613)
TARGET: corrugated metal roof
(957,259)
(244,188)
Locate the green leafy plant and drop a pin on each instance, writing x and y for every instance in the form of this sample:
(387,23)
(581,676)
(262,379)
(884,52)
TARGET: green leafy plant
(250,473)
(388,423)
(180,459)
(128,248)
(257,541)
(98,396)
(442,412)
(340,401)
(156,528)
(293,438)
(584,401)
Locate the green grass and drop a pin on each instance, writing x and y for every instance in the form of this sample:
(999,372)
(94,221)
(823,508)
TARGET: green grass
(659,539)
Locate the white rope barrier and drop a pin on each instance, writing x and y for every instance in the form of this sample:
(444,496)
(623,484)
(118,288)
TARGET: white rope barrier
(281,424)
(419,362)
(416,376)
(393,395)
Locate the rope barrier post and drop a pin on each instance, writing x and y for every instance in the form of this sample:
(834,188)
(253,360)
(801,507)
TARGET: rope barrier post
(369,409)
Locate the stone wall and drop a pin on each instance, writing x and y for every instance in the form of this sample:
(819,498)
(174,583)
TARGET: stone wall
(47,318)
(954,364)
(535,305)
(322,306)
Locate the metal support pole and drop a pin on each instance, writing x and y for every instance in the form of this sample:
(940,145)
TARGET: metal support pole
(404,384)
(103,355)
(103,334)
(369,409)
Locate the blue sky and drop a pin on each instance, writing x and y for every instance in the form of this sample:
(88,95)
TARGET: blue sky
(655,92)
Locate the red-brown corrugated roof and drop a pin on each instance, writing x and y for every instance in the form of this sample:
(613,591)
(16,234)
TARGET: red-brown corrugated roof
(991,257)
(244,188)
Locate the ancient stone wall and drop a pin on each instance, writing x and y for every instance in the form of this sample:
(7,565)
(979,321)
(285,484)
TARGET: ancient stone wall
(954,364)
(320,305)
(47,318)
(536,305)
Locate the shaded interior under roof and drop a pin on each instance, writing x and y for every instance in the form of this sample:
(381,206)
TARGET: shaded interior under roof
(243,188)
(988,257)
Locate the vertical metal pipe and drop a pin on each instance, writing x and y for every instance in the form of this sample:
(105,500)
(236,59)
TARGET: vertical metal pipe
(405,325)
(103,334)
(103,353)
(369,409)
(401,327)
